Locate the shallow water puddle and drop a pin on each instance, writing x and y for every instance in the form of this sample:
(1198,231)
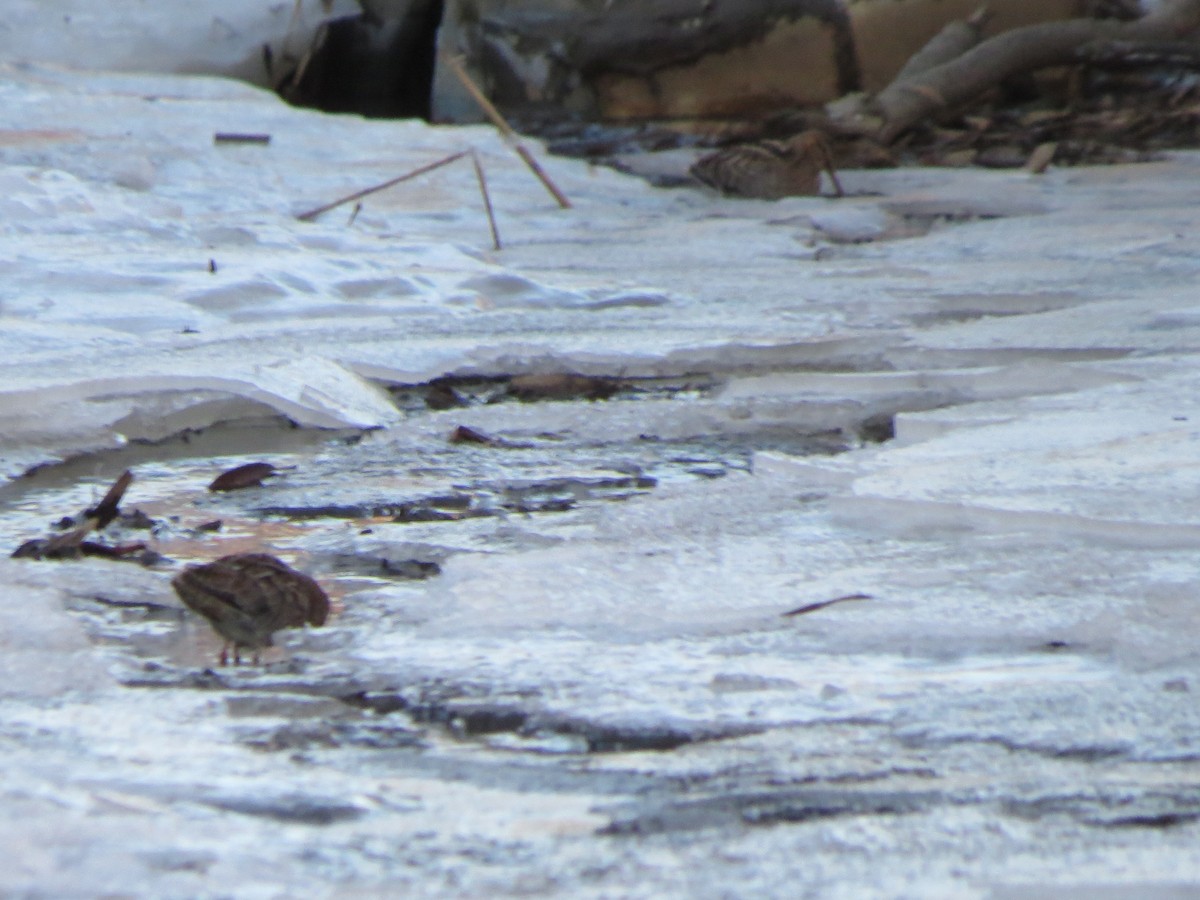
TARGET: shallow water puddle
(362,511)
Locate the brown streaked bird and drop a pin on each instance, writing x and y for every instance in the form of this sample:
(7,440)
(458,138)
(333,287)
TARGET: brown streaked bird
(769,170)
(247,597)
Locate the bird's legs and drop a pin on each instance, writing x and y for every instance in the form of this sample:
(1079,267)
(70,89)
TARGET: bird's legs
(223,659)
(237,654)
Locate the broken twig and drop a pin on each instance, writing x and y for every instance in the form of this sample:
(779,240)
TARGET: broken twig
(487,199)
(358,195)
(813,607)
(506,130)
(71,544)
(106,510)
(234,137)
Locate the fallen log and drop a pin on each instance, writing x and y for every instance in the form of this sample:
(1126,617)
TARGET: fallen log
(948,44)
(951,85)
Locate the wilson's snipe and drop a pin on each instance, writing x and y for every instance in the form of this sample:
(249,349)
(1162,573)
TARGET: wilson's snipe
(248,597)
(769,170)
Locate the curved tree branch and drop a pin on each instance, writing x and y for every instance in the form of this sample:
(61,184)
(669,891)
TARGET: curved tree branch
(908,100)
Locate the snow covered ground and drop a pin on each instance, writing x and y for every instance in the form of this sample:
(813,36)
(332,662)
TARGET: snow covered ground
(203,36)
(602,700)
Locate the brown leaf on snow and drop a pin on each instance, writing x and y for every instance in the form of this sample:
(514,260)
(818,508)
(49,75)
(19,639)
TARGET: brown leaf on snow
(465,434)
(247,476)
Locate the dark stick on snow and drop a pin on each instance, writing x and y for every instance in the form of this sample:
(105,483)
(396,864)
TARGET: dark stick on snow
(487,199)
(106,510)
(506,130)
(94,519)
(233,137)
(813,607)
(358,195)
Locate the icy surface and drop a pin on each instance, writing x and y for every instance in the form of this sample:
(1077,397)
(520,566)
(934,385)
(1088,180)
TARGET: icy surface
(586,687)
